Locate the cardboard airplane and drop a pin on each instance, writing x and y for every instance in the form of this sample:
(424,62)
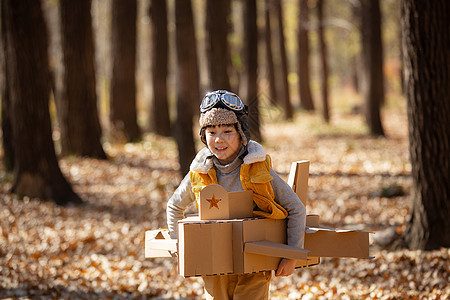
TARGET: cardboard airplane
(226,239)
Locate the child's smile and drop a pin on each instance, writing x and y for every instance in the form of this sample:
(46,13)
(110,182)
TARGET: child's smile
(224,142)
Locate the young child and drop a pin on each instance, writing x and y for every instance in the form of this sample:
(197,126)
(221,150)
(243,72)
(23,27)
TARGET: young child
(237,163)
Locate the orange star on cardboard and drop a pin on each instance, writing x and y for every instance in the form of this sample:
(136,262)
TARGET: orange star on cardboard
(213,202)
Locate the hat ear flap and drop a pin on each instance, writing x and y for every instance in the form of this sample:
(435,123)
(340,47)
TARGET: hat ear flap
(241,133)
(244,127)
(203,135)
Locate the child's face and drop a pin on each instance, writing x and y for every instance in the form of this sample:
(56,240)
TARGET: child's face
(224,142)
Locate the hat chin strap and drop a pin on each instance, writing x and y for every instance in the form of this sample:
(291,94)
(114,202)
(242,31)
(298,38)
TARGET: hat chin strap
(244,154)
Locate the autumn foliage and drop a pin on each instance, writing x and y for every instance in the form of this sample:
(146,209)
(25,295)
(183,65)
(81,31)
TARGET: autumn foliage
(97,250)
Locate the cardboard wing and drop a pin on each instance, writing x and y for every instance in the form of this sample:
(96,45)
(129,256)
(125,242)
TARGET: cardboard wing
(331,242)
(159,244)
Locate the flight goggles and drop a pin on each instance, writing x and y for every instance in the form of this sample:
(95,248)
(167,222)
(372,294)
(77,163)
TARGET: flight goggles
(228,99)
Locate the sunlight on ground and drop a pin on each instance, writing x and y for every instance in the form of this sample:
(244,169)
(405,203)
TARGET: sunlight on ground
(97,251)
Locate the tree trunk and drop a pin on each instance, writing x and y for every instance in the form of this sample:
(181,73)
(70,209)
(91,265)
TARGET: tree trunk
(427,78)
(306,100)
(77,98)
(123,115)
(160,118)
(251,63)
(288,110)
(402,60)
(357,57)
(323,61)
(269,52)
(36,172)
(187,82)
(372,56)
(217,43)
(7,143)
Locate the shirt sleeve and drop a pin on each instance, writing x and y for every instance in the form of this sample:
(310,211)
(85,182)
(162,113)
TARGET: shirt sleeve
(286,197)
(177,204)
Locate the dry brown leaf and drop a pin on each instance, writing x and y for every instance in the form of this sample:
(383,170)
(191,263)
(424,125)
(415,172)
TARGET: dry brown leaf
(97,251)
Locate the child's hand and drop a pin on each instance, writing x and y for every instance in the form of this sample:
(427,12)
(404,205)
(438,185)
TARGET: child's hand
(286,267)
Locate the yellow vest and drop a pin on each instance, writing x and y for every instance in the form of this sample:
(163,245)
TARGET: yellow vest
(256,177)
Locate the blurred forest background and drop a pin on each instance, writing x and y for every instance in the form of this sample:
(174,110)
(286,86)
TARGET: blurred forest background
(99,114)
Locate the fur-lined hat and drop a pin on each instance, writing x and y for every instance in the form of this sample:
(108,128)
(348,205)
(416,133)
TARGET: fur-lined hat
(221,116)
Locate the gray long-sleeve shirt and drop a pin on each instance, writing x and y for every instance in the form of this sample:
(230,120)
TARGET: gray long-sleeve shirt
(228,176)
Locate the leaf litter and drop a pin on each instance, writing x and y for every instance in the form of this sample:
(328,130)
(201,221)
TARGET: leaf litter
(97,250)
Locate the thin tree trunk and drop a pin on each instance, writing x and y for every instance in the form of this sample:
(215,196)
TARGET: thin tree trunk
(288,110)
(373,64)
(77,98)
(323,61)
(303,58)
(7,143)
(357,57)
(233,72)
(355,69)
(402,60)
(269,53)
(187,82)
(217,43)
(427,77)
(251,63)
(160,118)
(123,114)
(36,169)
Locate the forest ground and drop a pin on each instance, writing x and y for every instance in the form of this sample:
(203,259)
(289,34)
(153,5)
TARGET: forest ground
(97,250)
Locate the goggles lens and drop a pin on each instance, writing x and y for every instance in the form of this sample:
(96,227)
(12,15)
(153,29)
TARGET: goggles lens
(230,100)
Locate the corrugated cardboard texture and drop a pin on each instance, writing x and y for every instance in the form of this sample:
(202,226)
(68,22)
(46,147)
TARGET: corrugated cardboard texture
(312,261)
(217,204)
(153,247)
(241,204)
(269,248)
(214,204)
(205,248)
(336,243)
(298,179)
(262,230)
(217,247)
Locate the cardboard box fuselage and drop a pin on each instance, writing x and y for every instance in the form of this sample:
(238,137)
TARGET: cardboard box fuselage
(226,239)
(207,247)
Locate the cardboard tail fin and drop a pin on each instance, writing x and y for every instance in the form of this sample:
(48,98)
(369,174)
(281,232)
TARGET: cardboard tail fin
(298,179)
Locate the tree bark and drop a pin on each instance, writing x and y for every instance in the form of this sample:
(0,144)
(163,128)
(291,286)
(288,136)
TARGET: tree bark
(7,143)
(269,52)
(372,56)
(426,40)
(323,61)
(356,59)
(160,118)
(77,98)
(251,63)
(217,16)
(187,82)
(36,169)
(287,105)
(123,114)
(306,100)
